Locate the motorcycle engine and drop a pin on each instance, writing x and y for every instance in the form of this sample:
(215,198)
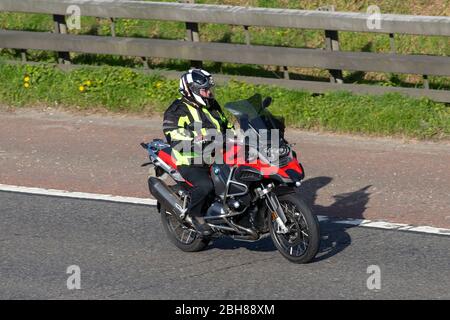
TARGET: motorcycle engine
(253,219)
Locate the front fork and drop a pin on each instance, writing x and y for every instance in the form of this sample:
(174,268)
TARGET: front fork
(277,213)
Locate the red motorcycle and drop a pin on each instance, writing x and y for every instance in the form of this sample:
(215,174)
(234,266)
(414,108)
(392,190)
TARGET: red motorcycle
(256,190)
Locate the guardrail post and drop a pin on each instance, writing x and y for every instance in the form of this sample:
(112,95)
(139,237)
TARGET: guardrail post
(332,40)
(61,27)
(426,82)
(192,35)
(332,44)
(112,27)
(247,35)
(145,63)
(286,72)
(23,54)
(392,42)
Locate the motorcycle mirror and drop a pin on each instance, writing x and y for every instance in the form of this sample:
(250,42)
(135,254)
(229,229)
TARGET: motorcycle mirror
(266,102)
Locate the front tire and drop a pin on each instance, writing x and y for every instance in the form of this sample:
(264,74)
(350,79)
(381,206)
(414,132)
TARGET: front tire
(301,243)
(182,236)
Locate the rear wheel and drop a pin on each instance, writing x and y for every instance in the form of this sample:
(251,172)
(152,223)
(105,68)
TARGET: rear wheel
(181,235)
(301,243)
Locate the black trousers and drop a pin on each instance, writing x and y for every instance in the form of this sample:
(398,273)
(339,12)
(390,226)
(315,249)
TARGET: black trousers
(202,187)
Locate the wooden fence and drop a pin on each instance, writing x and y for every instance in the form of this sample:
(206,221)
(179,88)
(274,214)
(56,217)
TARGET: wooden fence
(331,58)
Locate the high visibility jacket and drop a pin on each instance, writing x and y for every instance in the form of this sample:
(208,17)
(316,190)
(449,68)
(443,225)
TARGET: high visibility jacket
(180,119)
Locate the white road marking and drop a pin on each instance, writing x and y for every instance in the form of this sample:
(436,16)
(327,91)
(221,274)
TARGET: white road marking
(106,197)
(77,195)
(389,225)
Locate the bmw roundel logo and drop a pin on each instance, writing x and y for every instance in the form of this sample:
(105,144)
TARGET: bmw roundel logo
(216,170)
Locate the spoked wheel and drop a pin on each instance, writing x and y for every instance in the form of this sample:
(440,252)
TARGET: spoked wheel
(181,235)
(301,243)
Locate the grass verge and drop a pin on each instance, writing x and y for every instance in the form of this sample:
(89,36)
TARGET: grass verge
(121,89)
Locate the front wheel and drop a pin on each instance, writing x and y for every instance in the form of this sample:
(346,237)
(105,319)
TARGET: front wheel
(301,243)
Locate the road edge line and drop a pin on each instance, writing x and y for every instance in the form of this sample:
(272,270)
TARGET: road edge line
(76,195)
(385,225)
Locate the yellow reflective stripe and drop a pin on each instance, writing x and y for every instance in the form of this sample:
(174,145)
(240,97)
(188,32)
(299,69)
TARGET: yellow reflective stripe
(196,117)
(185,119)
(222,117)
(183,158)
(180,159)
(224,120)
(179,134)
(182,121)
(194,113)
(213,120)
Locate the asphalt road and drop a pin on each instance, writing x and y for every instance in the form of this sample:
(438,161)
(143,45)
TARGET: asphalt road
(346,176)
(123,253)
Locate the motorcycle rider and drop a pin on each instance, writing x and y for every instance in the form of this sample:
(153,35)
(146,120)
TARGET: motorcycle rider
(197,107)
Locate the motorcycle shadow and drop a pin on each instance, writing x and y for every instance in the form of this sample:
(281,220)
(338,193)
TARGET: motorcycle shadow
(262,245)
(334,236)
(334,239)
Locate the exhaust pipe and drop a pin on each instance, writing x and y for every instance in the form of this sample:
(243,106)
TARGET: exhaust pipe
(251,235)
(165,196)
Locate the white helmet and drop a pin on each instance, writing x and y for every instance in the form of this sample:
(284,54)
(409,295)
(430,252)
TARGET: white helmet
(196,86)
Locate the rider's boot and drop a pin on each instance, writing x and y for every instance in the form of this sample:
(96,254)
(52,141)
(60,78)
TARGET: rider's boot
(201,226)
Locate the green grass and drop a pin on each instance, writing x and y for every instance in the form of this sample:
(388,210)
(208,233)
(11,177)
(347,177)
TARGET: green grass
(121,89)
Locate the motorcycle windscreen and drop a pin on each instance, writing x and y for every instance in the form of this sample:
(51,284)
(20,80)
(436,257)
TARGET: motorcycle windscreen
(250,112)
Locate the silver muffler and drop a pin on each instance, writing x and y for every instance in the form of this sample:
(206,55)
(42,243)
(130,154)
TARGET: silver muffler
(166,197)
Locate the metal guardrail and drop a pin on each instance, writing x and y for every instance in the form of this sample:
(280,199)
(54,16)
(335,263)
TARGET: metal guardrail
(236,53)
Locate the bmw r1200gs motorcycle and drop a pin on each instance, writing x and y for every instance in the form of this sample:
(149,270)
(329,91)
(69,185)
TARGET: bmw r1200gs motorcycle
(252,198)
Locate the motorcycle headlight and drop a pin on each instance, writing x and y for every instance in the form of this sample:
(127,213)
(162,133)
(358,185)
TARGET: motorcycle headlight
(275,153)
(284,150)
